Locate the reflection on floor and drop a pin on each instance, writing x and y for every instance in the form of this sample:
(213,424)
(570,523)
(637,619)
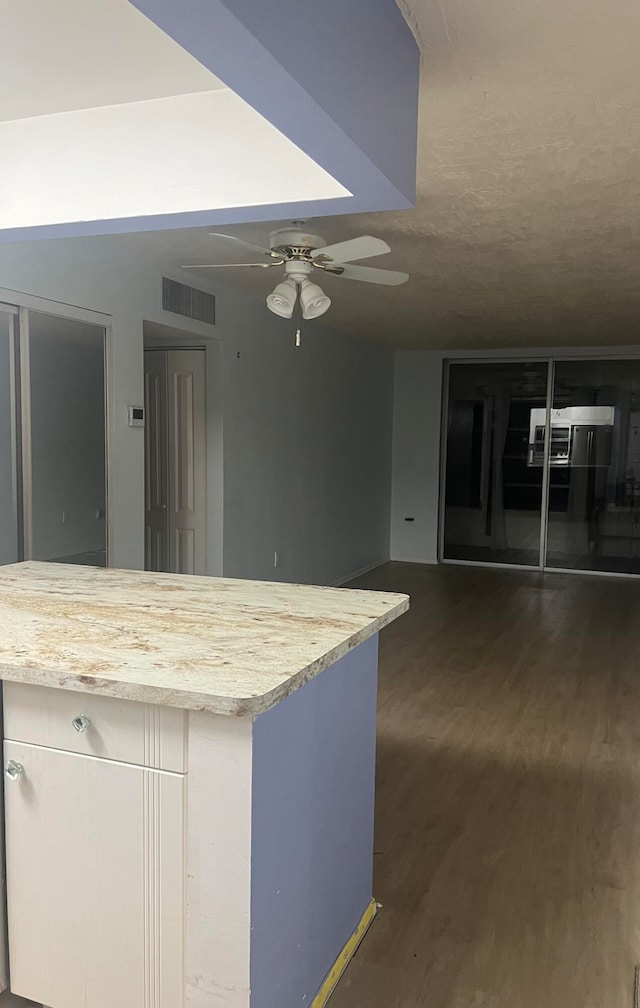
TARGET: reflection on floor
(486,555)
(508,794)
(604,564)
(573,544)
(465,528)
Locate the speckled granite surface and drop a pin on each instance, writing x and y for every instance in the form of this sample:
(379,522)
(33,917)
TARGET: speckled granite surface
(221,645)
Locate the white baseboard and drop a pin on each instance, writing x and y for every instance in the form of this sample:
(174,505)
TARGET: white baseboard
(428,561)
(341,582)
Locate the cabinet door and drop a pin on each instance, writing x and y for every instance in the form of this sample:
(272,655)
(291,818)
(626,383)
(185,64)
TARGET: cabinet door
(95,881)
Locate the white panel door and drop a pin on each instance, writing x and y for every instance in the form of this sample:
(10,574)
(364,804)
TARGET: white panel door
(8,447)
(95,881)
(156,461)
(187,461)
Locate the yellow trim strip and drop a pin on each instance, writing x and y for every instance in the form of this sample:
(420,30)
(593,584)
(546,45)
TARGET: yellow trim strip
(331,980)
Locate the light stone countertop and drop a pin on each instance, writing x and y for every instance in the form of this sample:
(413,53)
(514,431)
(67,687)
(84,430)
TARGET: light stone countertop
(215,644)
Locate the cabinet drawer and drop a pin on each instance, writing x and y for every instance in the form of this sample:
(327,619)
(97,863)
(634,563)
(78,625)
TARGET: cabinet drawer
(123,730)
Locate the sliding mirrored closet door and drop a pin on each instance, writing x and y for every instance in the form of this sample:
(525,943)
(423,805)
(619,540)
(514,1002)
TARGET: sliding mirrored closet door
(543,464)
(493,483)
(594,517)
(9,503)
(65,516)
(52,438)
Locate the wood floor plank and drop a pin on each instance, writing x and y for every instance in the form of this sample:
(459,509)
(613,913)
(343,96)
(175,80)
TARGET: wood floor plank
(508,794)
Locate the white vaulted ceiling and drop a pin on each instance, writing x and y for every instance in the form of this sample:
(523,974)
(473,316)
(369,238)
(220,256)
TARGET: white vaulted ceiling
(527,226)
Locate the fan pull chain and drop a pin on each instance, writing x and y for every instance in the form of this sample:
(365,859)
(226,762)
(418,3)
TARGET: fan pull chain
(298,340)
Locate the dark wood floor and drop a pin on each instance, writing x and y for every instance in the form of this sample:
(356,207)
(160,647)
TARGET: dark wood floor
(508,796)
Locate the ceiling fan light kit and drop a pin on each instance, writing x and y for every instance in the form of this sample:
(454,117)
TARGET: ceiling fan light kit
(313,300)
(282,299)
(300,253)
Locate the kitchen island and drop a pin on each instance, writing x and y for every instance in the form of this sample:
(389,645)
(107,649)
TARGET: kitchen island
(189,786)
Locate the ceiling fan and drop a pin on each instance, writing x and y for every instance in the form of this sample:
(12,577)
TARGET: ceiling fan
(301,253)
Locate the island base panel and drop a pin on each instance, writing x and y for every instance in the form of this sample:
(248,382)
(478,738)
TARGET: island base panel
(312,829)
(256,863)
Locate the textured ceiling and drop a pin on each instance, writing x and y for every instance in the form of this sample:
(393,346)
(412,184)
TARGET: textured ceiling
(527,227)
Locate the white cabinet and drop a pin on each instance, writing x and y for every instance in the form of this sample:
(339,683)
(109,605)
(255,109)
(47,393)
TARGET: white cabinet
(144,734)
(95,881)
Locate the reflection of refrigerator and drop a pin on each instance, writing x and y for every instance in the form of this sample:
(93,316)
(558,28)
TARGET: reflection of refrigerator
(580,436)
(591,444)
(633,450)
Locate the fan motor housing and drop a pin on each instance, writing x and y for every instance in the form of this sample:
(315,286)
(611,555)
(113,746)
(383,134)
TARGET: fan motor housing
(295,241)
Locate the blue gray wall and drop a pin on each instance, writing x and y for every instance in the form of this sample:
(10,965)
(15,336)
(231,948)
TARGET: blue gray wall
(339,79)
(312,832)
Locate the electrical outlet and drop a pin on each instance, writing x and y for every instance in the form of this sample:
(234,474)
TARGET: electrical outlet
(276,559)
(66,517)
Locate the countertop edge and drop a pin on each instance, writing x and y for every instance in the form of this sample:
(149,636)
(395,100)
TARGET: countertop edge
(189,700)
(266,701)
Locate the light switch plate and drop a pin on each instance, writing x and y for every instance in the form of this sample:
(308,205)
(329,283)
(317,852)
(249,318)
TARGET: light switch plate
(136,416)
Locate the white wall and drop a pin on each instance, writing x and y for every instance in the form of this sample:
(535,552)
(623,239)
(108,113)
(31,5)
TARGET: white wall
(416,456)
(307,432)
(307,447)
(307,437)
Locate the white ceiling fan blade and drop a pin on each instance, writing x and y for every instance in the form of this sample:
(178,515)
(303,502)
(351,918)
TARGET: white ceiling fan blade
(357,248)
(228,265)
(241,241)
(389,278)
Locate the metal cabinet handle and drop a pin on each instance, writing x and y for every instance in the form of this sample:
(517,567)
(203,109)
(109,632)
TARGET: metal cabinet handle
(81,723)
(13,770)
